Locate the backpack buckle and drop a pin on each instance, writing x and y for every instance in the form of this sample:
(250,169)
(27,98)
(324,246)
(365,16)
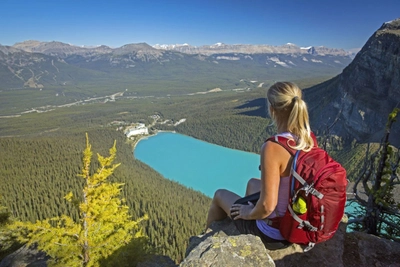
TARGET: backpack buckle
(309,247)
(309,189)
(307,225)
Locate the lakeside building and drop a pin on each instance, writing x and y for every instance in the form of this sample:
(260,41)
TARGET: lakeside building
(138,129)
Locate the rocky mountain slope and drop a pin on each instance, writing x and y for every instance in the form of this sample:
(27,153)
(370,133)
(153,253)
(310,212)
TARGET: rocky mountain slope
(357,102)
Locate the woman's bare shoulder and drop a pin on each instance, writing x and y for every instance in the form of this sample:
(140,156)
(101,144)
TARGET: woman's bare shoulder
(273,148)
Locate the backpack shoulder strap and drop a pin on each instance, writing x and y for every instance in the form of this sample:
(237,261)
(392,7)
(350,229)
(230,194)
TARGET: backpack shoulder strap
(288,143)
(284,142)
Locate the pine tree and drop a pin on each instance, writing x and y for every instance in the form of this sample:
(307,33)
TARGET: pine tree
(104,225)
(378,178)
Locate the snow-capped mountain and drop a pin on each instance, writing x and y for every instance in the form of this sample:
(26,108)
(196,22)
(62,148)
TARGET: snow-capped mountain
(221,48)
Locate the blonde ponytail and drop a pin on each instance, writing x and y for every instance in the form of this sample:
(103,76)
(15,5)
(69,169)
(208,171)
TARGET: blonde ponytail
(289,111)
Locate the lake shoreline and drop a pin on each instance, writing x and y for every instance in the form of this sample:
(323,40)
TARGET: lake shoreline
(148,136)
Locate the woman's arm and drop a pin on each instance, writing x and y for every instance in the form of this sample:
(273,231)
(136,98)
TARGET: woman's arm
(274,164)
(272,157)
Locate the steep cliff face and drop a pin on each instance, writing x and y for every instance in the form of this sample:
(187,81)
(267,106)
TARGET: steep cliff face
(361,98)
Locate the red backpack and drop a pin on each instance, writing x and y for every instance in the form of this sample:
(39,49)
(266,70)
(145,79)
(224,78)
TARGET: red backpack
(320,183)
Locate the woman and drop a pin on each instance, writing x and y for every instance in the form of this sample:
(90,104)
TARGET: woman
(289,113)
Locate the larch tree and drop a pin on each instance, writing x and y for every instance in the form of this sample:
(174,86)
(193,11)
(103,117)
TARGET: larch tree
(104,225)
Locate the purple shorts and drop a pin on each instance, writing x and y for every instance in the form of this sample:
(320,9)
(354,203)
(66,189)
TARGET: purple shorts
(250,226)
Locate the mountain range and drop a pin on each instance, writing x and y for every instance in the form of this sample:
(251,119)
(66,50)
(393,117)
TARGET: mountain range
(62,49)
(289,48)
(160,69)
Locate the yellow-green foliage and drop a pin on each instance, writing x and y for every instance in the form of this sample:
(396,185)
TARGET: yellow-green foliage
(104,224)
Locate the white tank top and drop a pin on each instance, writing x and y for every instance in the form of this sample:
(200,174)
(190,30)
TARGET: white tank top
(280,209)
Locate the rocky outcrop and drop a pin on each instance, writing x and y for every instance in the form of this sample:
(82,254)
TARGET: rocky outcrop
(222,245)
(221,251)
(358,101)
(25,256)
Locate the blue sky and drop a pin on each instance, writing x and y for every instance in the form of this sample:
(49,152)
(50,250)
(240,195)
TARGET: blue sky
(343,24)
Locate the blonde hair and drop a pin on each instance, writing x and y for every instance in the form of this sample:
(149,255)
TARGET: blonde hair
(289,112)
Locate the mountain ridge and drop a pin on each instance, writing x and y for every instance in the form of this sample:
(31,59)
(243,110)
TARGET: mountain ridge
(55,65)
(53,47)
(253,49)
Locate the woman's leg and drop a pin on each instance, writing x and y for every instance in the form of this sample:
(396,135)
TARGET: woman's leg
(253,186)
(221,205)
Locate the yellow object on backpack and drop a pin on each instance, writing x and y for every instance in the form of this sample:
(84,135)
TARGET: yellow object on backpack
(300,206)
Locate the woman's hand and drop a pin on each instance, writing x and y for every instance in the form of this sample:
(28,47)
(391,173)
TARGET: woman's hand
(239,211)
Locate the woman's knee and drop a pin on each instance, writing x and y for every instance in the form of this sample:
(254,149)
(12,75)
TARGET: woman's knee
(253,181)
(224,199)
(253,186)
(219,194)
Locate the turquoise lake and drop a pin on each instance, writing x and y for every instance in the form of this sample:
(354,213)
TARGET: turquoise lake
(199,165)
